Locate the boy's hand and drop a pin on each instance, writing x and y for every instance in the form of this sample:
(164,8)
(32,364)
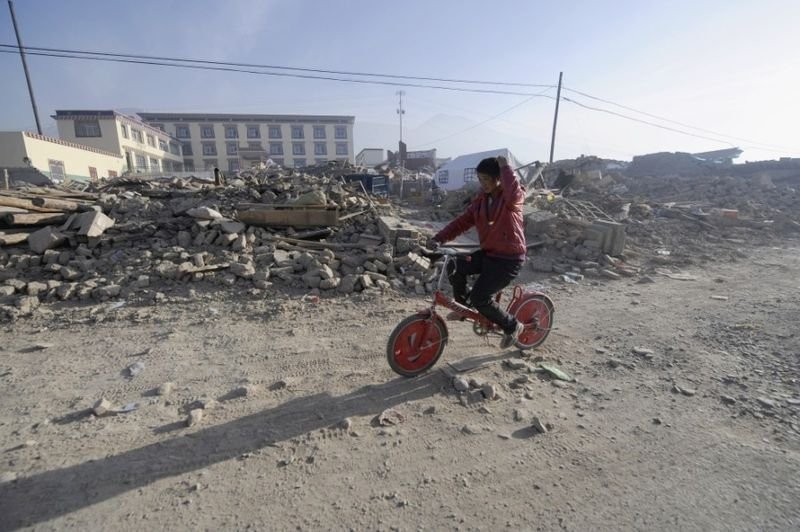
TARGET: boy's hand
(502,161)
(432,244)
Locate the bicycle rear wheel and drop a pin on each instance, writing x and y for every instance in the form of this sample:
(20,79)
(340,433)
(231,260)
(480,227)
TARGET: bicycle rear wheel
(408,352)
(536,313)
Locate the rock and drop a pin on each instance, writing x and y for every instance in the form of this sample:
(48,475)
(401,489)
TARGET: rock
(92,223)
(348,284)
(471,430)
(460,384)
(166,388)
(7,477)
(245,271)
(106,292)
(614,362)
(195,416)
(240,243)
(102,407)
(537,424)
(489,391)
(135,369)
(27,304)
(184,239)
(520,415)
(16,284)
(645,279)
(643,352)
(685,391)
(231,227)
(315,197)
(325,272)
(66,291)
(46,238)
(69,274)
(515,364)
(35,288)
(6,291)
(610,274)
(204,213)
(727,399)
(766,402)
(345,424)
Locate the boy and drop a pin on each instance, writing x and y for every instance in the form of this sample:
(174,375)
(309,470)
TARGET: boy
(496,213)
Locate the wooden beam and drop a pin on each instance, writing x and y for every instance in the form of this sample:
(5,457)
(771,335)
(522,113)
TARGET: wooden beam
(7,201)
(40,218)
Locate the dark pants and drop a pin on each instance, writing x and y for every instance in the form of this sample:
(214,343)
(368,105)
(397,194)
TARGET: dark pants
(493,275)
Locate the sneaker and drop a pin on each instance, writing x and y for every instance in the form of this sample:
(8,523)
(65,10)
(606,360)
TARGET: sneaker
(509,338)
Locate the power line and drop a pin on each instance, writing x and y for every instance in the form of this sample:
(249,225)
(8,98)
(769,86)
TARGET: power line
(657,117)
(498,115)
(633,119)
(277,67)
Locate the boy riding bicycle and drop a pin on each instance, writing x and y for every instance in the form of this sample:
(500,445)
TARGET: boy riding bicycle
(496,214)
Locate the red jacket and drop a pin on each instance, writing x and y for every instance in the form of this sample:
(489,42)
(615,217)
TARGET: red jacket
(501,229)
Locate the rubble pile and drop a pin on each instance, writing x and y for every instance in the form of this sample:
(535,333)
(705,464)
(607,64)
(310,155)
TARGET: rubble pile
(135,238)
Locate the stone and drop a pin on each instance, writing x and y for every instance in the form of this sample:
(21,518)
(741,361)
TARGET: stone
(542,264)
(92,223)
(36,288)
(520,415)
(231,227)
(44,239)
(645,279)
(102,407)
(472,430)
(240,243)
(27,304)
(727,399)
(643,352)
(184,239)
(245,271)
(195,416)
(69,274)
(329,284)
(315,197)
(460,384)
(540,427)
(348,284)
(204,213)
(106,292)
(143,281)
(766,402)
(165,389)
(6,291)
(7,477)
(489,391)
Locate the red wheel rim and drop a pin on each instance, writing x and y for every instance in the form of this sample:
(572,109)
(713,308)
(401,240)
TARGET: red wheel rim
(535,315)
(406,355)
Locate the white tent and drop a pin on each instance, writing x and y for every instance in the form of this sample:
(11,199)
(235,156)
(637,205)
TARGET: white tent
(461,170)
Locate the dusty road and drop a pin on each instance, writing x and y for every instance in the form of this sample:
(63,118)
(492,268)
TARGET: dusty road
(290,441)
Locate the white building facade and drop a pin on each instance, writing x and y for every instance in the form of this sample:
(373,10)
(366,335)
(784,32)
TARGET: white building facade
(234,142)
(461,171)
(144,148)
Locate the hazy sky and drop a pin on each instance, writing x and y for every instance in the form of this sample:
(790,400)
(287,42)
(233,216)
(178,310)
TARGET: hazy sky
(728,66)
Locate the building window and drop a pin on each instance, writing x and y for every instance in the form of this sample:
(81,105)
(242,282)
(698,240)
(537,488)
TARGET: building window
(278,161)
(174,149)
(320,161)
(166,166)
(275,148)
(341,148)
(112,173)
(233,165)
(188,165)
(298,148)
(299,163)
(231,148)
(209,148)
(182,132)
(469,175)
(87,129)
(275,132)
(444,177)
(137,136)
(57,172)
(210,164)
(341,132)
(162,145)
(187,148)
(151,141)
(154,164)
(319,132)
(141,163)
(320,148)
(124,130)
(231,132)
(92,173)
(253,132)
(207,132)
(297,132)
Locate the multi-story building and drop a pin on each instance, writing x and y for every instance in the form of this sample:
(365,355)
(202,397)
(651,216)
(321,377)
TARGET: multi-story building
(146,149)
(235,141)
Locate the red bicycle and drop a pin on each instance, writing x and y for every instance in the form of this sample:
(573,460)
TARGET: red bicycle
(418,341)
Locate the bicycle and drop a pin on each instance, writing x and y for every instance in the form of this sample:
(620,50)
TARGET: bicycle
(418,341)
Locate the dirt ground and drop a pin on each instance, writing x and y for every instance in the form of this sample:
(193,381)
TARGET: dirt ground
(291,441)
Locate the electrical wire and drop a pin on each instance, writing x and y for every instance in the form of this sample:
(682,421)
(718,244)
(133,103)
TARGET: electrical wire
(276,67)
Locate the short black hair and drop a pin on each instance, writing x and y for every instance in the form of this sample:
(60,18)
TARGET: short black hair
(489,167)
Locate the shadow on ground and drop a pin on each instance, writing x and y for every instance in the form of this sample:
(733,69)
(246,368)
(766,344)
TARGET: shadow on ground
(51,494)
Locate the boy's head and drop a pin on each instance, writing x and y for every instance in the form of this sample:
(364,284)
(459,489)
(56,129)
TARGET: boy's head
(488,171)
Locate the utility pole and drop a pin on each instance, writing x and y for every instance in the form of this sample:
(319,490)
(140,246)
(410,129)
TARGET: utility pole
(555,118)
(25,66)
(401,112)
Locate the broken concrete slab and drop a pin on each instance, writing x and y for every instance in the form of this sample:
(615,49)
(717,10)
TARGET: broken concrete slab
(46,238)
